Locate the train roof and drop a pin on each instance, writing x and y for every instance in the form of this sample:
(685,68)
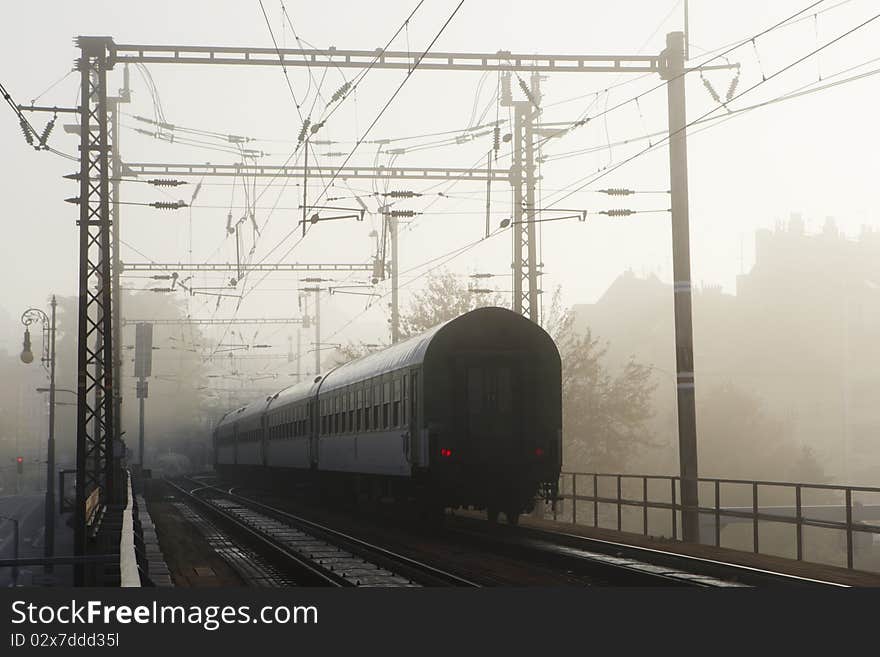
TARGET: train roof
(403,354)
(291,394)
(408,353)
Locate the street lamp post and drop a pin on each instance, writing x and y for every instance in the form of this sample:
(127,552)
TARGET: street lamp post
(32,316)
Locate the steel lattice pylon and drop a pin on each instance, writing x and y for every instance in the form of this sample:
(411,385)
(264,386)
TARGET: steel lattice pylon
(94,446)
(522,174)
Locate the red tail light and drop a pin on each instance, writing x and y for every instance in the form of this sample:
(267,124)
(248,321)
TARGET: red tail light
(445,452)
(539,452)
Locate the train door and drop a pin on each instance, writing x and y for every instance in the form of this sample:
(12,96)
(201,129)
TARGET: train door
(491,408)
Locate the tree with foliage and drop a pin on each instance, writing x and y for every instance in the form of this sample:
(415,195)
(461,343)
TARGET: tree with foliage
(604,414)
(445,297)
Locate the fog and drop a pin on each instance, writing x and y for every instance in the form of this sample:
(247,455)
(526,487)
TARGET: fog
(782,210)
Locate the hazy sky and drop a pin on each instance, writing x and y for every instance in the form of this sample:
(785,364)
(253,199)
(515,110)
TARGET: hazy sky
(816,154)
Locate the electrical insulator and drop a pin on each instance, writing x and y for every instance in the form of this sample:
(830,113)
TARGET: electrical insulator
(731,90)
(396,151)
(617,191)
(496,139)
(335,154)
(402,213)
(340,93)
(161,289)
(401,194)
(302,131)
(47,131)
(618,212)
(711,89)
(26,131)
(168,205)
(229,228)
(165,182)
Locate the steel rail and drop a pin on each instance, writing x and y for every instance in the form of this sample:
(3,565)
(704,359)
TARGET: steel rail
(385,557)
(320,574)
(723,570)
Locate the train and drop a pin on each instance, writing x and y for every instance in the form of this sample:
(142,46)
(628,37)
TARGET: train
(467,414)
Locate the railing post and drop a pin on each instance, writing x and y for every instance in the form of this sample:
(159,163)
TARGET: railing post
(574,492)
(799,519)
(849,529)
(645,504)
(674,529)
(619,505)
(755,514)
(562,493)
(717,513)
(595,500)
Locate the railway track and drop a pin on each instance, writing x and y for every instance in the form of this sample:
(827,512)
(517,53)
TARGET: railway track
(315,554)
(633,562)
(354,561)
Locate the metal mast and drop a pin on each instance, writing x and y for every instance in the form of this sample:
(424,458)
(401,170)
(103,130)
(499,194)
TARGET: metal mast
(674,73)
(94,435)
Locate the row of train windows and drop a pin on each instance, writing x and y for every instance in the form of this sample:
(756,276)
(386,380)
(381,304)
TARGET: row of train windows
(370,406)
(292,429)
(250,436)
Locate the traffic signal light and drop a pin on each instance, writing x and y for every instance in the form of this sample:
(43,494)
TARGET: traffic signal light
(19,464)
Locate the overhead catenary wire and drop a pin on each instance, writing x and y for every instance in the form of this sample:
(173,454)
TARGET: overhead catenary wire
(394,94)
(764,80)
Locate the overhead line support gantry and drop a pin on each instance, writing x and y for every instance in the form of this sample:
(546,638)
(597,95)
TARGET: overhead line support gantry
(100,54)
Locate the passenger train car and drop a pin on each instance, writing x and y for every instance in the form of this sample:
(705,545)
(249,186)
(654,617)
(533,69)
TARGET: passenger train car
(467,414)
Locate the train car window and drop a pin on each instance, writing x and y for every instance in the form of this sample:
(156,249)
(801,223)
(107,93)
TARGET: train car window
(377,402)
(415,397)
(395,407)
(403,418)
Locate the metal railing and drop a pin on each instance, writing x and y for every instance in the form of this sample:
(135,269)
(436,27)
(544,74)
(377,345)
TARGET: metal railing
(840,510)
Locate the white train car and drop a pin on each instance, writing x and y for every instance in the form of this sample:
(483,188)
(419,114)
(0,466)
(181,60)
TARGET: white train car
(466,414)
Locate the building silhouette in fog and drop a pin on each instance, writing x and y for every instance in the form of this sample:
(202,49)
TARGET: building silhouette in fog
(800,333)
